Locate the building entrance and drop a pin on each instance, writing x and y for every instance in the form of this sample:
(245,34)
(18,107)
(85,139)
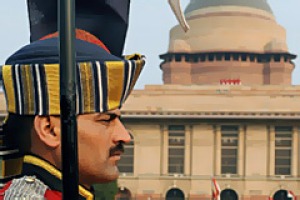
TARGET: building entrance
(175,194)
(282,195)
(229,194)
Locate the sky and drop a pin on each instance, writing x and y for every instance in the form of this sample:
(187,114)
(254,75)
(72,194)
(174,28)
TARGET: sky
(148,33)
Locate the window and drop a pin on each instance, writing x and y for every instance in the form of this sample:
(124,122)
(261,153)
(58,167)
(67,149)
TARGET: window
(244,57)
(194,58)
(277,58)
(283,150)
(236,56)
(177,58)
(227,56)
(268,59)
(202,58)
(229,150)
(259,59)
(169,58)
(127,159)
(188,58)
(219,57)
(176,149)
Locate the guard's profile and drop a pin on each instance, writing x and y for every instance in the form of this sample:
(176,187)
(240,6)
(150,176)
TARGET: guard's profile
(31,85)
(31,137)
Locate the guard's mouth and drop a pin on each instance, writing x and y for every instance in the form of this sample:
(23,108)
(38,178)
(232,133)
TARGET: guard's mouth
(117,153)
(117,150)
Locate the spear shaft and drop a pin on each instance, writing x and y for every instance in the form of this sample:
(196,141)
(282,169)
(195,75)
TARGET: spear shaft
(66,27)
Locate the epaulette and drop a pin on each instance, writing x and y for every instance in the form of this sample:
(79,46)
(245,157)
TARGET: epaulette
(27,187)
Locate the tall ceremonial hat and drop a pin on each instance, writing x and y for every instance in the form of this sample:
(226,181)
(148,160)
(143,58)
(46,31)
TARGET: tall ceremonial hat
(104,78)
(103,82)
(105,19)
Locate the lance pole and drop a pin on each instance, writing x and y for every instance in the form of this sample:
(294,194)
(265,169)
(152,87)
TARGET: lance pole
(66,27)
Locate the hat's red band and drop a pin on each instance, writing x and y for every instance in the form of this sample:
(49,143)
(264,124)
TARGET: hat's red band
(81,35)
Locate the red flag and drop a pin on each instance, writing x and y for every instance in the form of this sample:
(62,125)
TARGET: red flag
(215,189)
(291,195)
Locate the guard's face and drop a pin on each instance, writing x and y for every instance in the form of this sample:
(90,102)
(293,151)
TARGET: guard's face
(100,139)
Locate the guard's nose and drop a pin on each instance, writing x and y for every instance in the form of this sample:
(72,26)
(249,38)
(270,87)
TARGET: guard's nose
(121,134)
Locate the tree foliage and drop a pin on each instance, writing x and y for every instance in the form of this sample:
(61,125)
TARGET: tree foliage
(106,191)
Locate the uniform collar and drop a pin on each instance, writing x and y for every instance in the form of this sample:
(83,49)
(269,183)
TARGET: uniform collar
(50,175)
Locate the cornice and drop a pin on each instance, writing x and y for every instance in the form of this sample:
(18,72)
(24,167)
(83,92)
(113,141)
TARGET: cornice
(168,54)
(210,115)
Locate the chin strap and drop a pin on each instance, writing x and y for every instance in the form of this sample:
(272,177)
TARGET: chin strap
(175,5)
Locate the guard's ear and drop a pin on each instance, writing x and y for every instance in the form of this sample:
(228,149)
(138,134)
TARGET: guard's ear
(47,129)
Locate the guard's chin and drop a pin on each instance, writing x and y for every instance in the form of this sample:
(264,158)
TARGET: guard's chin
(112,175)
(109,179)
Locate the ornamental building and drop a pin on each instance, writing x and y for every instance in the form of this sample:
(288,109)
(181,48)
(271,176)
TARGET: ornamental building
(226,110)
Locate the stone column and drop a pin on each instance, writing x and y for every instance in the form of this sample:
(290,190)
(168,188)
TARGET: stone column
(187,151)
(164,150)
(271,151)
(136,147)
(241,151)
(218,137)
(295,152)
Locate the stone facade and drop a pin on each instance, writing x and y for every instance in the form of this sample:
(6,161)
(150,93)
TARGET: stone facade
(202,110)
(232,69)
(255,110)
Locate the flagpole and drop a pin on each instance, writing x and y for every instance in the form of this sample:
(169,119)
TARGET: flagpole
(212,189)
(66,27)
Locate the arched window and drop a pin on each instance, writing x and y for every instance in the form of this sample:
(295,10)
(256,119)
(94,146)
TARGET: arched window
(175,194)
(229,194)
(282,195)
(123,194)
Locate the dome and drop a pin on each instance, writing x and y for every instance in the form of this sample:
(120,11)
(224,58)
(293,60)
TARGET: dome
(199,4)
(229,25)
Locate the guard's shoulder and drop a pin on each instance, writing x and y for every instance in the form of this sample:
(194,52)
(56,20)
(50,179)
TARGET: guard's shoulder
(27,187)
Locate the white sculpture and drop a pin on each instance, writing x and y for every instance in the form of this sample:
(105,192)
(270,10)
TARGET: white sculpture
(175,5)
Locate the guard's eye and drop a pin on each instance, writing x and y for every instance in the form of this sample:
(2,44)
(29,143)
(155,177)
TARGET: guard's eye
(109,117)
